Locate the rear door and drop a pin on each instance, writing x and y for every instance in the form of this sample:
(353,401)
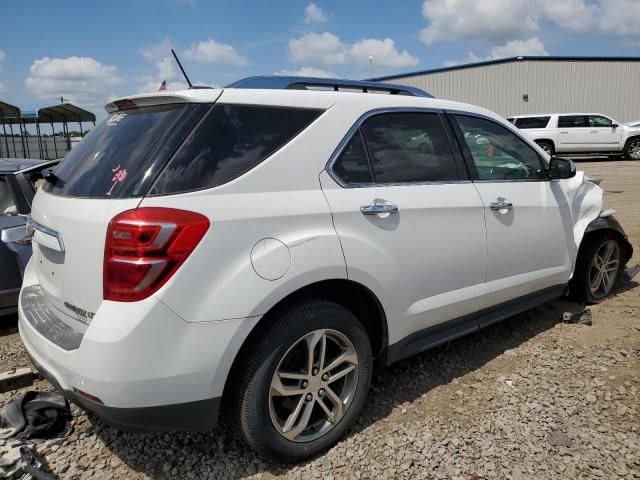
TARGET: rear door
(105,174)
(603,136)
(574,133)
(410,222)
(528,221)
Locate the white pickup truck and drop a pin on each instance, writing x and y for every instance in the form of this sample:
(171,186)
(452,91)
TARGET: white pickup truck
(581,133)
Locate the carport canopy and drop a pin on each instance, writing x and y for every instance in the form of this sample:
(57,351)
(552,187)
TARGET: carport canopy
(9,112)
(64,113)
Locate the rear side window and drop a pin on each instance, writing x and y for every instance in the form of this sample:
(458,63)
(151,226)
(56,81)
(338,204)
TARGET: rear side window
(122,154)
(409,147)
(231,140)
(532,122)
(573,121)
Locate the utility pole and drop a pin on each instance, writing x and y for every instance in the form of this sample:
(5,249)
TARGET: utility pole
(370,66)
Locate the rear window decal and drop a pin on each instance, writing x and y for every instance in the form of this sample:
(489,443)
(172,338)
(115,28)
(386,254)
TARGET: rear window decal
(120,175)
(115,118)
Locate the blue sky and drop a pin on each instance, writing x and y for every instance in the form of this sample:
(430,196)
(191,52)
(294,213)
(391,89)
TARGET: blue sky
(90,52)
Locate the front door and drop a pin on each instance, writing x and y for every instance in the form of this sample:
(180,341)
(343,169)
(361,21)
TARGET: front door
(603,136)
(529,226)
(410,228)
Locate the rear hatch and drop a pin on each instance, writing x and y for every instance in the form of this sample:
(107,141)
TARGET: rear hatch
(107,173)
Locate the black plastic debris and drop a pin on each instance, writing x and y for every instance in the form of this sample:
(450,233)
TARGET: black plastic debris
(31,466)
(631,272)
(35,415)
(580,318)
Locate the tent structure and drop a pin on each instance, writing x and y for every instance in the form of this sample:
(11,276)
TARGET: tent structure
(63,113)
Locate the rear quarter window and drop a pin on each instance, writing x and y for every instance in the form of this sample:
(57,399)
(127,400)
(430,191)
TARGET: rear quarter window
(230,140)
(532,122)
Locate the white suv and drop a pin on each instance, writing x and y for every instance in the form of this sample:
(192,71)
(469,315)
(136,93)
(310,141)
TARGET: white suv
(264,243)
(581,133)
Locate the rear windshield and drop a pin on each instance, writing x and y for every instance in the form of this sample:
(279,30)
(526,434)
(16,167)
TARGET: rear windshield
(122,155)
(231,140)
(532,122)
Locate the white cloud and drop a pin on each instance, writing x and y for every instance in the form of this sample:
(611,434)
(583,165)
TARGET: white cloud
(210,51)
(157,51)
(3,88)
(314,14)
(514,48)
(80,79)
(307,72)
(618,17)
(505,20)
(2,57)
(328,49)
(497,20)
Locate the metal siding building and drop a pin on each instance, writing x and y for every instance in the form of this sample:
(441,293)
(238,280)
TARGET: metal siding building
(608,85)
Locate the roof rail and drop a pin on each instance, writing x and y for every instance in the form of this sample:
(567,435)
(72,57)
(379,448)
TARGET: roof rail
(336,84)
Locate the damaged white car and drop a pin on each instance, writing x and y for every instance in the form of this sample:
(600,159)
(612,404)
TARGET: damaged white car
(265,243)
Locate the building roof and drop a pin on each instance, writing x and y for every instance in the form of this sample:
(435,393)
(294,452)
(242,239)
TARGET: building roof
(508,60)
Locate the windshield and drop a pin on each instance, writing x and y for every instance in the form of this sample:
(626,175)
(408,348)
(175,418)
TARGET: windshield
(122,156)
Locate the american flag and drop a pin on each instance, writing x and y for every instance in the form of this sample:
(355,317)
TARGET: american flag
(163,86)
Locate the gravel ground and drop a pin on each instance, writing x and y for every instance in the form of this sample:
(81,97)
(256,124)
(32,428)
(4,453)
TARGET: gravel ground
(527,398)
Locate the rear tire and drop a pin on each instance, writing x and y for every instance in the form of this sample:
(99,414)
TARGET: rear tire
(292,426)
(547,147)
(632,149)
(598,269)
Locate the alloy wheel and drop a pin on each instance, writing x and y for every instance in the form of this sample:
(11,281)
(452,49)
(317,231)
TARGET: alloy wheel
(604,269)
(313,385)
(546,148)
(634,150)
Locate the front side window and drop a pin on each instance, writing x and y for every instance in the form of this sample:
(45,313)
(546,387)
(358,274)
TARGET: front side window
(498,153)
(409,147)
(531,122)
(231,140)
(573,121)
(599,121)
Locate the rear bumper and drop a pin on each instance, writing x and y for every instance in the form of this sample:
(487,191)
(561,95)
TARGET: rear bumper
(200,415)
(147,368)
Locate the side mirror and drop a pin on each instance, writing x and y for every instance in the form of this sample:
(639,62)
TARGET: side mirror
(560,168)
(614,125)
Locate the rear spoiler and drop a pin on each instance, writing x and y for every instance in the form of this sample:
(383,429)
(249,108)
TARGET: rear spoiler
(200,95)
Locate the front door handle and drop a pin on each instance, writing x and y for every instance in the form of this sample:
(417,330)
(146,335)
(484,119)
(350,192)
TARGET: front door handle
(378,208)
(501,204)
(594,131)
(564,131)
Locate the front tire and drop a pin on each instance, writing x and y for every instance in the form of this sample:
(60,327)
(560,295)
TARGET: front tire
(632,149)
(599,269)
(304,381)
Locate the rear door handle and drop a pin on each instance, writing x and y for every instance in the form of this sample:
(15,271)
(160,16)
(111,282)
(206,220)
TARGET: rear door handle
(501,204)
(564,131)
(594,131)
(378,208)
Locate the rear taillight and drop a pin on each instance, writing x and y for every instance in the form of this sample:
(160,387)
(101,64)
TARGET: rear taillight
(145,247)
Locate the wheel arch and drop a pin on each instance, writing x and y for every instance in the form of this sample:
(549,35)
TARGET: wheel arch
(546,140)
(606,225)
(354,296)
